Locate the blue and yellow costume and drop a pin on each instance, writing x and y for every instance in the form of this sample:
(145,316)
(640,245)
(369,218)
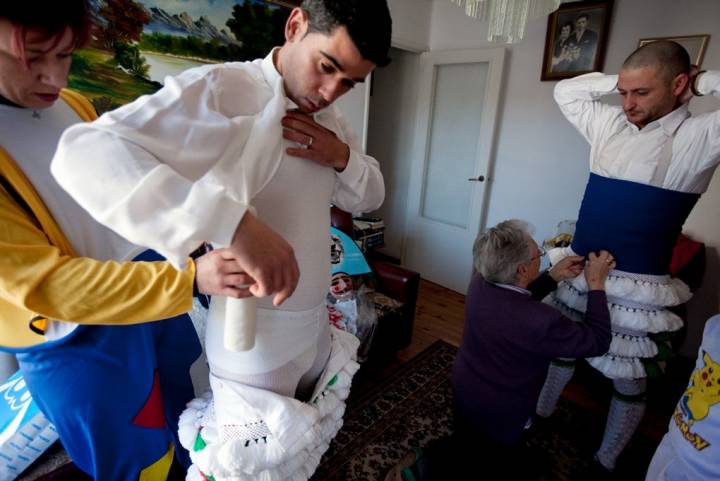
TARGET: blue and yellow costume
(114,393)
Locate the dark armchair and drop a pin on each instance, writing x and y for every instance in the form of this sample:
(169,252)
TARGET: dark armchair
(394,330)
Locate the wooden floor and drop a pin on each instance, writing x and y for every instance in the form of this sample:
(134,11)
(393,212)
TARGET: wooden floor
(440,314)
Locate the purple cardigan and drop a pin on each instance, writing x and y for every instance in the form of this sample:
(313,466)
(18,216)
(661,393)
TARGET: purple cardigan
(508,343)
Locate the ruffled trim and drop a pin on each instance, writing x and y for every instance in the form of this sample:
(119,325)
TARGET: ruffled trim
(625,345)
(671,292)
(274,458)
(636,319)
(648,290)
(193,474)
(557,254)
(632,346)
(616,367)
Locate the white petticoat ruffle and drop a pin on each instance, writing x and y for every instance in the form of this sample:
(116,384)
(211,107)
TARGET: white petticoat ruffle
(636,303)
(657,291)
(646,319)
(642,289)
(615,367)
(290,436)
(621,344)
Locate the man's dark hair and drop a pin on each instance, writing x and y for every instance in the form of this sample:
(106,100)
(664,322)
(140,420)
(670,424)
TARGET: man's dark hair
(669,58)
(583,15)
(368,23)
(52,17)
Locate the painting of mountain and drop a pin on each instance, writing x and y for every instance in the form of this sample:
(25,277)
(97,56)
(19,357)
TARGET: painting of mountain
(183,25)
(137,43)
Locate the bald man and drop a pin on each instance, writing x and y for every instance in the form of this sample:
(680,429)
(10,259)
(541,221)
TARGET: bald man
(650,161)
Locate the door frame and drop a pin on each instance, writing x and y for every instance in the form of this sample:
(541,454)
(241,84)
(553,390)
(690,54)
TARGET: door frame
(486,143)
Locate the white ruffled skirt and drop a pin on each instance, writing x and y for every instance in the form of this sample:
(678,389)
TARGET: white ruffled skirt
(638,306)
(241,433)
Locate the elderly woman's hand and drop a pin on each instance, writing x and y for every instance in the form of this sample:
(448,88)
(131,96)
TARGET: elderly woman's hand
(567,268)
(597,269)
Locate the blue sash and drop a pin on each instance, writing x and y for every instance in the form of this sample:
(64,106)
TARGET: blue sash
(639,224)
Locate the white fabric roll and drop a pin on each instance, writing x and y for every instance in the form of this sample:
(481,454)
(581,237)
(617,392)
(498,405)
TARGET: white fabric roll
(240,324)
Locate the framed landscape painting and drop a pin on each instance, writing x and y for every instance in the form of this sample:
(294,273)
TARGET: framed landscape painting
(137,43)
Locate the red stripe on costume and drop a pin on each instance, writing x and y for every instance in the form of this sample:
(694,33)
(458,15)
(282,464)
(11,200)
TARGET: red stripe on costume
(152,414)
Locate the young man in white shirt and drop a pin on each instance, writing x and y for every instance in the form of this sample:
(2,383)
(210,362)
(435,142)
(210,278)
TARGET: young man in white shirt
(183,166)
(650,161)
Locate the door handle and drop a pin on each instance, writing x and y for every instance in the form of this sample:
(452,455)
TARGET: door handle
(479,178)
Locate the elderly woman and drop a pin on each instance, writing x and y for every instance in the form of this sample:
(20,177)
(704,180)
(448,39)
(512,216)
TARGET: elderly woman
(509,339)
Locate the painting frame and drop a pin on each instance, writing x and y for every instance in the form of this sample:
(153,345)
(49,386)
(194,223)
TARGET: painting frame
(574,46)
(698,44)
(285,3)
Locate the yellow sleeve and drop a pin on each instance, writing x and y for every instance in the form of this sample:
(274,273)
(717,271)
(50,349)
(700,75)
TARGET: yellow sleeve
(36,276)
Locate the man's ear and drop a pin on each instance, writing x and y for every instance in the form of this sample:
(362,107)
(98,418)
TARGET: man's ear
(296,25)
(680,84)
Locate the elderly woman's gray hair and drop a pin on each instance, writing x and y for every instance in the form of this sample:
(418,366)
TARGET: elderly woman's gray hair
(499,251)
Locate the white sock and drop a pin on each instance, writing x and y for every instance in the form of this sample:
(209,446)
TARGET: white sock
(558,376)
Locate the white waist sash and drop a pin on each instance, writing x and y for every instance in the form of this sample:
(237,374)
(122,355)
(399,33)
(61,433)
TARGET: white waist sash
(281,337)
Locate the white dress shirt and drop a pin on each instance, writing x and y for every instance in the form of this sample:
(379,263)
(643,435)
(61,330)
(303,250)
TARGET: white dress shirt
(620,150)
(180,167)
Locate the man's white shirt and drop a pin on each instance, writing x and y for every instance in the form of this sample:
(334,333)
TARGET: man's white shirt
(180,167)
(619,150)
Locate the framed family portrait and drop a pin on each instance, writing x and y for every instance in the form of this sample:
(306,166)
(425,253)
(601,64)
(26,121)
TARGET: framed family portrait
(694,44)
(577,34)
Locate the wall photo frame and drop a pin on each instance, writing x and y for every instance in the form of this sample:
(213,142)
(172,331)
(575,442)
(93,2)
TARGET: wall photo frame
(577,34)
(694,44)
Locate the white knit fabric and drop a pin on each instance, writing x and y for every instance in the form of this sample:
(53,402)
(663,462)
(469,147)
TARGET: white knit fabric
(285,437)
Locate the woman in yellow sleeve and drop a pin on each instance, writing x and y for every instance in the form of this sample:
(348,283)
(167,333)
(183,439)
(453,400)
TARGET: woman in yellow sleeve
(74,306)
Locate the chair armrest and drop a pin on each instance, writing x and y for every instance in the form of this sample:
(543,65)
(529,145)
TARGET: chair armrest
(400,284)
(396,281)
(342,220)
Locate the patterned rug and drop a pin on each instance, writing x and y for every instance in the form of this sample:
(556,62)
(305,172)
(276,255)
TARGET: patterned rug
(412,407)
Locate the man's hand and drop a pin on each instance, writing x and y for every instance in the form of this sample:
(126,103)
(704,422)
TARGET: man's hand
(688,92)
(217,273)
(597,269)
(321,145)
(568,268)
(267,258)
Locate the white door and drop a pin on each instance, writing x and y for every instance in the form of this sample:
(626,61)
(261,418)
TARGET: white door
(455,132)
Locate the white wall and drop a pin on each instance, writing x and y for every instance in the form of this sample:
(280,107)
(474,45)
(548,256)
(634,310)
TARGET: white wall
(411,24)
(353,107)
(541,162)
(390,139)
